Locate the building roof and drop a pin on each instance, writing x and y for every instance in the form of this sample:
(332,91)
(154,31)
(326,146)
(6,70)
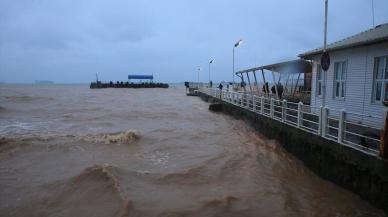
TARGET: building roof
(371,36)
(149,77)
(293,66)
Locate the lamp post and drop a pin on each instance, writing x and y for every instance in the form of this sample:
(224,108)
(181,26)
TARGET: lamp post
(199,69)
(210,62)
(236,45)
(324,51)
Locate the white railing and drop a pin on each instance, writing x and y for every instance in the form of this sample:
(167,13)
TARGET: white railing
(329,123)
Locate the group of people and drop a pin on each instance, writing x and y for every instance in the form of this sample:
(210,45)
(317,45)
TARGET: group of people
(278,86)
(266,89)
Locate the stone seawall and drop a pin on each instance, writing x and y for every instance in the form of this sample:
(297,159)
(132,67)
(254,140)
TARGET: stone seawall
(358,172)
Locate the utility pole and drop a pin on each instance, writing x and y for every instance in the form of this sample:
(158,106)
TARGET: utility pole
(210,62)
(238,43)
(373,13)
(324,52)
(325,31)
(199,69)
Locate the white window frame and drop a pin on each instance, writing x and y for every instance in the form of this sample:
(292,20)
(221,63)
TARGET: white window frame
(382,80)
(319,81)
(339,81)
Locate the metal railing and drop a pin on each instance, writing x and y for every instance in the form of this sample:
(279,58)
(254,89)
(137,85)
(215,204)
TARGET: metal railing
(335,125)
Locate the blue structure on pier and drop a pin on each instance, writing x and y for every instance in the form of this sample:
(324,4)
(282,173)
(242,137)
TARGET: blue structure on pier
(141,77)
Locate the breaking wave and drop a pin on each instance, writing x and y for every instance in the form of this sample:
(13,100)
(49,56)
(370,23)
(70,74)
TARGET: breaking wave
(225,206)
(97,183)
(192,176)
(113,138)
(120,138)
(25,98)
(94,192)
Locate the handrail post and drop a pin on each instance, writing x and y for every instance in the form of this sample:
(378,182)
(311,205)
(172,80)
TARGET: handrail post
(320,120)
(284,110)
(341,125)
(384,137)
(253,107)
(246,100)
(243,101)
(253,103)
(300,115)
(325,112)
(262,105)
(272,107)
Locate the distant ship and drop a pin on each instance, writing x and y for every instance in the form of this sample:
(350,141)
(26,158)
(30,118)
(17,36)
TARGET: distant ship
(43,82)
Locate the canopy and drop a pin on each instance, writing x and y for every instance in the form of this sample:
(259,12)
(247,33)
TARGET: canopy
(149,77)
(292,67)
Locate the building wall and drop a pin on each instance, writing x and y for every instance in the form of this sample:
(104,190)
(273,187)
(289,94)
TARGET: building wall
(359,84)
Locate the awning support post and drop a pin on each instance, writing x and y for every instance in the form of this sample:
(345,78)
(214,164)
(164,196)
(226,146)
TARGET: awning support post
(242,80)
(265,86)
(249,82)
(285,86)
(296,85)
(257,85)
(276,85)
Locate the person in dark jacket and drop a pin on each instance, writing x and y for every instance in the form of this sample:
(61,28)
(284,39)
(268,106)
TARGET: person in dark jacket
(279,86)
(220,87)
(266,88)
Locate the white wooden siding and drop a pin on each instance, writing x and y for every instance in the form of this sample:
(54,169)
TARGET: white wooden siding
(359,83)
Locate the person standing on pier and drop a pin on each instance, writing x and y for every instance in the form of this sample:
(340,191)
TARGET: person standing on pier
(220,87)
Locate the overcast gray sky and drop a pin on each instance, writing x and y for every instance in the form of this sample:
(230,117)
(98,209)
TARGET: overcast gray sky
(70,40)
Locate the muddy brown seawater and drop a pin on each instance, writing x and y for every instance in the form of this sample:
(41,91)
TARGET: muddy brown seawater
(66,150)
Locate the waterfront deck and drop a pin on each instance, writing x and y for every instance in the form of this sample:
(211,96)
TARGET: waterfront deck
(348,129)
(346,150)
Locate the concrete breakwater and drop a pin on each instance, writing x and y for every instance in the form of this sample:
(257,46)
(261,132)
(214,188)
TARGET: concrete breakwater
(118,84)
(363,174)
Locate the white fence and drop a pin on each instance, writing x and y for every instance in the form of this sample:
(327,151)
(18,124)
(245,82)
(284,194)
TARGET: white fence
(329,123)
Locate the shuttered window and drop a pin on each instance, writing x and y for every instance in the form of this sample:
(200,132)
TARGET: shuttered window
(380,79)
(339,80)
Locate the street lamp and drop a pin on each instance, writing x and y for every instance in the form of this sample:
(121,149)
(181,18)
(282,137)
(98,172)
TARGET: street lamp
(210,62)
(199,69)
(236,45)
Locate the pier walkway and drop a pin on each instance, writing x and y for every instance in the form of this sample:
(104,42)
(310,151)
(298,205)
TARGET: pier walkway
(345,128)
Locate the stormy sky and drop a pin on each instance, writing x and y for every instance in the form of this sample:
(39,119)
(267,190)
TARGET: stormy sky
(69,41)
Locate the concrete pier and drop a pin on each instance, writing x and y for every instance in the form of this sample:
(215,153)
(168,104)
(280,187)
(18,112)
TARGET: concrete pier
(361,173)
(99,85)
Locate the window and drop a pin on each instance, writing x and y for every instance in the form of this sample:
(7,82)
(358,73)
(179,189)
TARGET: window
(339,80)
(319,80)
(380,79)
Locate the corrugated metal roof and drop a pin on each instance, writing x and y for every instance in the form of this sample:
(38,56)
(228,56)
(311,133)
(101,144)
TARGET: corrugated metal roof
(293,66)
(371,36)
